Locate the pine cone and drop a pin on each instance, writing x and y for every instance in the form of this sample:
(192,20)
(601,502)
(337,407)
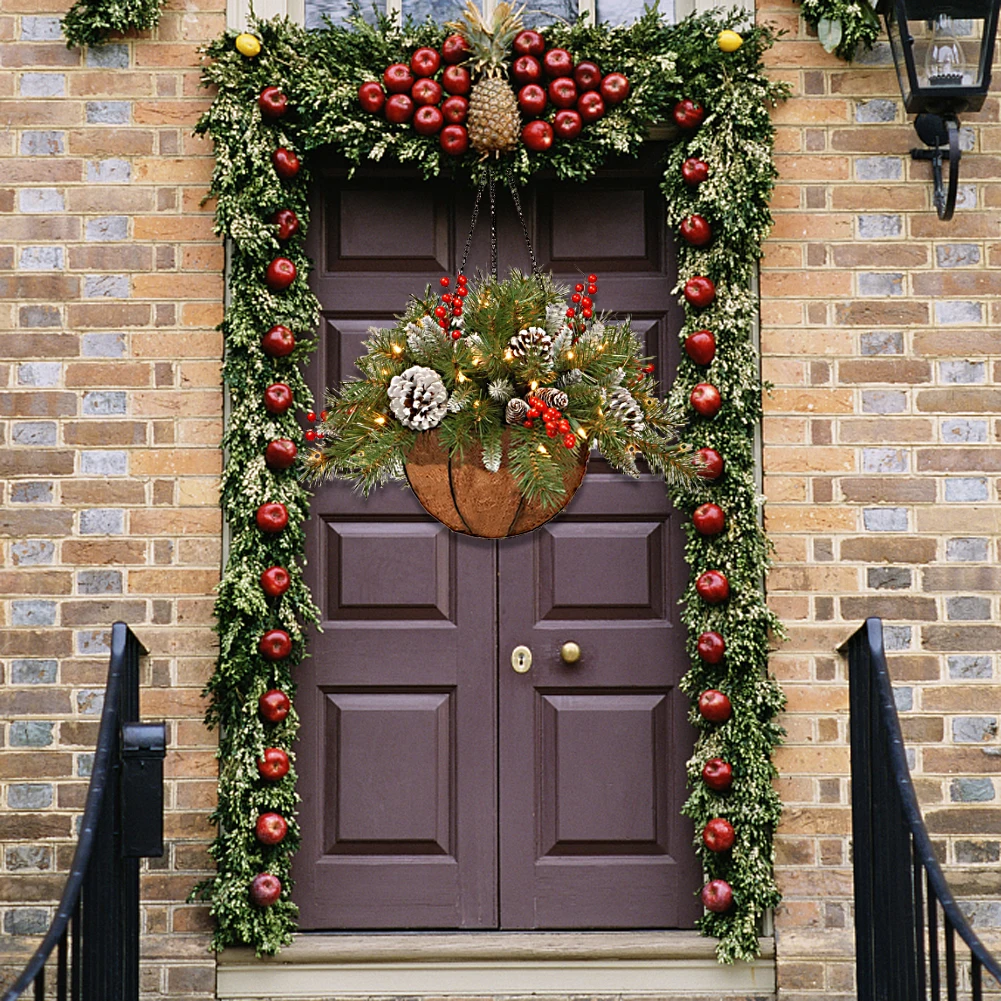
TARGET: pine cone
(571,378)
(531,337)
(516,411)
(623,406)
(418,398)
(552,397)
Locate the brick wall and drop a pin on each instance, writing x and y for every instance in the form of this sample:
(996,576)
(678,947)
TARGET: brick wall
(110,418)
(880,332)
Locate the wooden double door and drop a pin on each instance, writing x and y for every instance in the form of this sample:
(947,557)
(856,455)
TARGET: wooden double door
(441,788)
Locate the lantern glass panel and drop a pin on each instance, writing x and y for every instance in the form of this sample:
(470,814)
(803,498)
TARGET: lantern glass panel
(942,51)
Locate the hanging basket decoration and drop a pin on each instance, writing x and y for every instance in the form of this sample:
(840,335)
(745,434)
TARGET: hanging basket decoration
(490,414)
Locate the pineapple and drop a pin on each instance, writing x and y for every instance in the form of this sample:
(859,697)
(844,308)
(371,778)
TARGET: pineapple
(493,120)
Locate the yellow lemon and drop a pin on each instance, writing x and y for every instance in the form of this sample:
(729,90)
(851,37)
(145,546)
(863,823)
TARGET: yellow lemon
(729,41)
(248,45)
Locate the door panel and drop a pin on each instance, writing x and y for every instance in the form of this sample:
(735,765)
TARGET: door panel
(440,788)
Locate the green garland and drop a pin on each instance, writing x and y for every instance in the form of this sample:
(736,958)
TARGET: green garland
(320,73)
(90,22)
(843,25)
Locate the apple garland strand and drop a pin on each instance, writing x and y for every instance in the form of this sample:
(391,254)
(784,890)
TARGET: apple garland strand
(283,91)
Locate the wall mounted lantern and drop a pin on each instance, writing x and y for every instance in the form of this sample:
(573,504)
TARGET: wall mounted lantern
(943,51)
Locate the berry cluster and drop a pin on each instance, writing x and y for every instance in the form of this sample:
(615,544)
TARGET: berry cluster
(312,434)
(582,300)
(556,423)
(448,312)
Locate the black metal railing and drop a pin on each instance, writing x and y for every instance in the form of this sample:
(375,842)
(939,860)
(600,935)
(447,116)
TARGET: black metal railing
(906,919)
(95,933)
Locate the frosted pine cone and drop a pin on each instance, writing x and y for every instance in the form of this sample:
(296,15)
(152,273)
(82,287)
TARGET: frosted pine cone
(418,398)
(554,398)
(531,337)
(623,406)
(515,411)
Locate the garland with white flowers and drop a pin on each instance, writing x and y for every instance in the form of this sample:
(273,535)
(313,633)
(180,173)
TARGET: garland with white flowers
(843,25)
(264,503)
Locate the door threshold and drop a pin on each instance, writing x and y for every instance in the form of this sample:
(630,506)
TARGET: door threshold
(656,964)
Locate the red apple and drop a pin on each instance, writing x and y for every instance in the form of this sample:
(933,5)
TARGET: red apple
(275,581)
(454,110)
(529,43)
(557,62)
(587,75)
(425,62)
(717,896)
(286,163)
(715,706)
(454,49)
(717,774)
(275,644)
(273,103)
(701,347)
(590,106)
(718,835)
(273,765)
(399,108)
(287,222)
(696,231)
(563,92)
(700,291)
(711,647)
(688,114)
(705,399)
(614,88)
(426,91)
(708,519)
(398,78)
(526,69)
(280,453)
(454,139)
(270,828)
(694,171)
(277,398)
(278,342)
(428,120)
(371,96)
(532,99)
(712,587)
(265,889)
(456,80)
(271,517)
(274,705)
(280,274)
(567,124)
(709,463)
(537,136)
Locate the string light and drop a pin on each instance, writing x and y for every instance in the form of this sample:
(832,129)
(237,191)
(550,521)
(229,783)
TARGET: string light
(397,350)
(570,355)
(542,449)
(509,355)
(460,377)
(380,419)
(534,386)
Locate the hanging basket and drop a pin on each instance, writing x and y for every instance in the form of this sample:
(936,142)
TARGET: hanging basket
(466,497)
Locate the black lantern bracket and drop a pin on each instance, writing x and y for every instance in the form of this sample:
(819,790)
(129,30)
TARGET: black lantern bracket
(941,133)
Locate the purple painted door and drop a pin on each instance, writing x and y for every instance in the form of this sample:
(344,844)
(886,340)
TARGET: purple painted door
(441,788)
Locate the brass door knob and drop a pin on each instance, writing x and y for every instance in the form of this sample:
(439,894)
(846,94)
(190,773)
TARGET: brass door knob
(570,652)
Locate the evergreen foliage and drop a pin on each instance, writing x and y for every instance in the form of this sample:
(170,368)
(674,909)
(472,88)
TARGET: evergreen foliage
(90,22)
(843,25)
(320,72)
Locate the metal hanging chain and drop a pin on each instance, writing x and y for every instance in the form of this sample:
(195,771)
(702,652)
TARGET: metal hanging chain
(492,187)
(472,225)
(524,225)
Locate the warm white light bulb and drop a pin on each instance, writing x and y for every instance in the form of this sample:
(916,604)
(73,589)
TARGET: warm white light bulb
(944,62)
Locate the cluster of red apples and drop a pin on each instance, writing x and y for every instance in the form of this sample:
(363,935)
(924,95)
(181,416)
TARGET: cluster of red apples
(435,99)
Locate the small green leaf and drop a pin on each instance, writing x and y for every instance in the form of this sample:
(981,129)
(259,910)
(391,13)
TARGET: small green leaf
(829,32)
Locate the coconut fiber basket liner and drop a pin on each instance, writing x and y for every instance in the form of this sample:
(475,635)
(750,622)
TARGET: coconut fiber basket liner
(466,497)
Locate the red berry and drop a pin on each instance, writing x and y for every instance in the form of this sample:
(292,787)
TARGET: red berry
(310,435)
(456,334)
(462,291)
(570,440)
(461,280)
(587,313)
(592,278)
(649,369)
(551,431)
(323,415)
(571,312)
(592,289)
(575,297)
(578,287)
(310,416)
(528,423)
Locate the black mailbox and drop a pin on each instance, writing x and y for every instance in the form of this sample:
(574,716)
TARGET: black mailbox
(144,746)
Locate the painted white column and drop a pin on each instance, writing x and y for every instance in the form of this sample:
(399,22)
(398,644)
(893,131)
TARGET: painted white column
(237,11)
